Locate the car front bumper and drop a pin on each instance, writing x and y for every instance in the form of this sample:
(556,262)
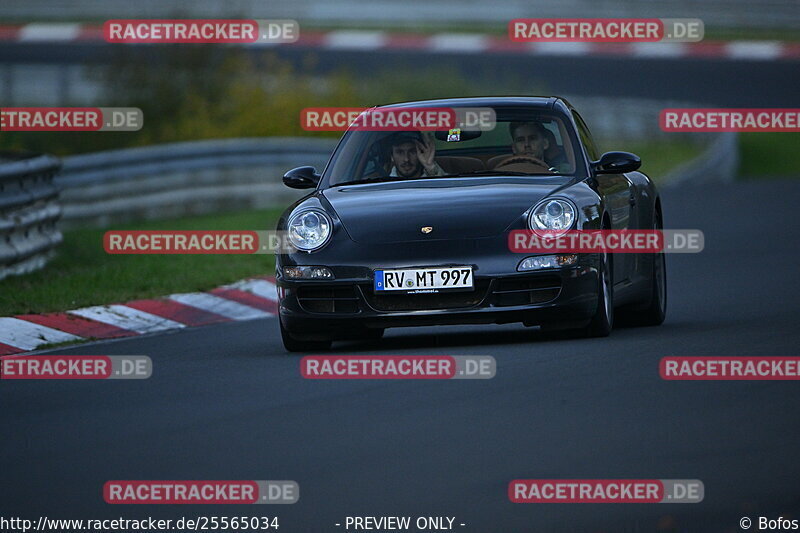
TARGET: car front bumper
(341,308)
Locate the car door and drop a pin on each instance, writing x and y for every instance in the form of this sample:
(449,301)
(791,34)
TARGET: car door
(618,194)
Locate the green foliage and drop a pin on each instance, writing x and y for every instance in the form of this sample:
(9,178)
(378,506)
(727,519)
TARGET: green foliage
(191,92)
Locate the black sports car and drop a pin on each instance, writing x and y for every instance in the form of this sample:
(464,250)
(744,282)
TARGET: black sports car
(411,228)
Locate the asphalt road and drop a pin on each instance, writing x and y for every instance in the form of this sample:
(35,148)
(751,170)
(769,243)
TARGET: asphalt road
(225,402)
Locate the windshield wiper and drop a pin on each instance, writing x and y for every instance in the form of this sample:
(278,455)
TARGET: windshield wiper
(380,179)
(371,180)
(495,173)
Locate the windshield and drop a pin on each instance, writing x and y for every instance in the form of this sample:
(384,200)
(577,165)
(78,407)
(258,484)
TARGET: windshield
(524,142)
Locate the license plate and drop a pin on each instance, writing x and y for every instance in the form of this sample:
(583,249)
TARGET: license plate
(421,280)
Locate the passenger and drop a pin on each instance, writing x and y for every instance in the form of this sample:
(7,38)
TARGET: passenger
(413,155)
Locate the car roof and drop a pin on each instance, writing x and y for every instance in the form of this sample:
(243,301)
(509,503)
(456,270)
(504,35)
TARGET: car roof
(544,102)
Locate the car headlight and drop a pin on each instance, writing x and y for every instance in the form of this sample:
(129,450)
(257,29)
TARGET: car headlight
(309,230)
(541,262)
(554,215)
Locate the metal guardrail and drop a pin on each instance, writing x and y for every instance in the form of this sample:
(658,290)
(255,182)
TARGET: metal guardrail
(719,162)
(29,210)
(189,178)
(631,119)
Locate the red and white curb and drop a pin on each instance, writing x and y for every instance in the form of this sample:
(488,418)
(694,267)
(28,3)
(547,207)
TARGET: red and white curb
(244,300)
(466,43)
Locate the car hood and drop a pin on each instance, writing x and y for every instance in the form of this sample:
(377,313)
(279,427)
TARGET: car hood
(455,208)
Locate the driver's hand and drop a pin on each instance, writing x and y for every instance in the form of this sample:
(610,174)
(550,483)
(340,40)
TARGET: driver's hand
(426,151)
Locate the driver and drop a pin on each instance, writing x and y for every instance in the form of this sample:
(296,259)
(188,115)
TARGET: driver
(532,139)
(529,138)
(412,155)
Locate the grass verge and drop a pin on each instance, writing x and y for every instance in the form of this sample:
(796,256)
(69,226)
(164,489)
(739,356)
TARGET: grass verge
(769,155)
(84,274)
(658,157)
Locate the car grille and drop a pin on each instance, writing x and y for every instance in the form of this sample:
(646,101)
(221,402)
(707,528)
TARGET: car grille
(433,301)
(340,299)
(541,289)
(504,293)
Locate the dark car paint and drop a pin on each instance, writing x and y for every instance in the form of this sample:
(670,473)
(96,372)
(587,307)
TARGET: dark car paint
(376,226)
(456,208)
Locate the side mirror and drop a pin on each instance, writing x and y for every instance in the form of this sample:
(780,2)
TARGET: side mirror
(301,178)
(617,163)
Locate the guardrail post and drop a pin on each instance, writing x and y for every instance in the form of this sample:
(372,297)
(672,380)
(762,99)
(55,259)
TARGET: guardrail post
(29,211)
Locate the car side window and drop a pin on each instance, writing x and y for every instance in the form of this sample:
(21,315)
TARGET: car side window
(586,137)
(372,165)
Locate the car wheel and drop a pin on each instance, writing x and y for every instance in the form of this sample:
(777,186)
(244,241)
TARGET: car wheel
(603,320)
(293,344)
(655,311)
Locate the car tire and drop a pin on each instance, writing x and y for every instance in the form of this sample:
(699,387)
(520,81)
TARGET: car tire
(602,322)
(293,344)
(654,311)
